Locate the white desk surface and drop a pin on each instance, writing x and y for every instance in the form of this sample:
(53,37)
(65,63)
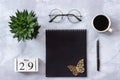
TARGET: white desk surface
(110,42)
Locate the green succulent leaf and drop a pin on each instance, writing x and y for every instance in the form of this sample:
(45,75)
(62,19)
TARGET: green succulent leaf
(24,25)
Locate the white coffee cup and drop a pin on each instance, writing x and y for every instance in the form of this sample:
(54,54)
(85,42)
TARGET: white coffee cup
(101,23)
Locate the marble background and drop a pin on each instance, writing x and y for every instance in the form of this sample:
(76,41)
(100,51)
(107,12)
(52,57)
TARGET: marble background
(110,42)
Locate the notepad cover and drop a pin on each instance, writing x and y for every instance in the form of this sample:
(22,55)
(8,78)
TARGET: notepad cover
(66,53)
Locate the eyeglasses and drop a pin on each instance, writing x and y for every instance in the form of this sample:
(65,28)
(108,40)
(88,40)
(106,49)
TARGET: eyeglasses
(73,15)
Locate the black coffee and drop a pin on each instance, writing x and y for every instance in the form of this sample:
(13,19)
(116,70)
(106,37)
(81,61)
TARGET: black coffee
(101,22)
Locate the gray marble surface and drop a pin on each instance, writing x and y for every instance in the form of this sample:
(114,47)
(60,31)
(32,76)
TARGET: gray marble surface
(110,42)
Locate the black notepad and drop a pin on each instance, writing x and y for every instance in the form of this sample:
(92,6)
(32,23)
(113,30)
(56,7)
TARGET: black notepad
(66,53)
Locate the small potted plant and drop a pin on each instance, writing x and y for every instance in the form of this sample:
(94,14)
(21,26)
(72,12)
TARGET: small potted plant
(24,25)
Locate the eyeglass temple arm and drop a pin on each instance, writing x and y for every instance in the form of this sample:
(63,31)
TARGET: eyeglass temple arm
(76,17)
(53,18)
(65,15)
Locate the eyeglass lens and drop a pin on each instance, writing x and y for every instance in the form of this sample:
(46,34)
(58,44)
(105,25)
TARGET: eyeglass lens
(54,17)
(76,18)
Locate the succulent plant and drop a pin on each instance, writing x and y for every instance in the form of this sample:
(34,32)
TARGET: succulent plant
(24,25)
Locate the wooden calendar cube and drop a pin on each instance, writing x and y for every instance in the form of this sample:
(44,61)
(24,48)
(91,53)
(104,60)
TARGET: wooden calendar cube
(26,64)
(21,65)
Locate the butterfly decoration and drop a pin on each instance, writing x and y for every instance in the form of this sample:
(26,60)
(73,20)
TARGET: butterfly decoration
(77,69)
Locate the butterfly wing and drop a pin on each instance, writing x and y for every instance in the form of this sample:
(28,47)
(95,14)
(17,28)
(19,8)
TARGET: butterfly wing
(77,69)
(80,66)
(73,70)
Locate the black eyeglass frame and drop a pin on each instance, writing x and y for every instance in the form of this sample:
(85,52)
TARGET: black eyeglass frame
(55,16)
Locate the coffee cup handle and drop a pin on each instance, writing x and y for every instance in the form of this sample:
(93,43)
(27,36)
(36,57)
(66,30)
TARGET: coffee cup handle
(110,30)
